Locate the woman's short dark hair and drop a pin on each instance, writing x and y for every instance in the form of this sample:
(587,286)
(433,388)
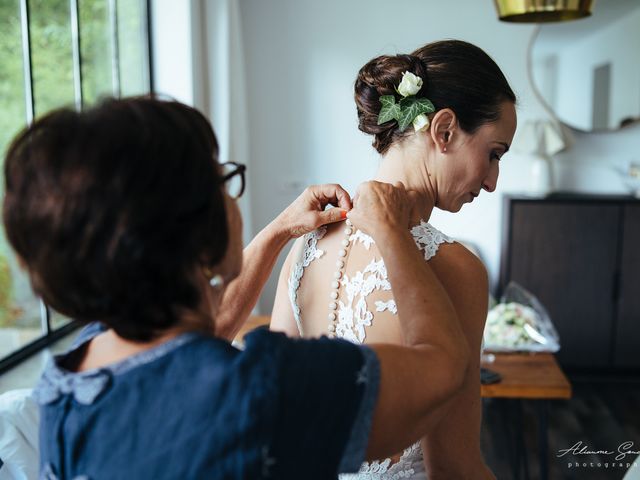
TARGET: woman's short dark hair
(112,209)
(455,74)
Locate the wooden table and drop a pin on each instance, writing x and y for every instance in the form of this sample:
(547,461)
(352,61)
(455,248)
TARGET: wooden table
(527,376)
(254,321)
(535,376)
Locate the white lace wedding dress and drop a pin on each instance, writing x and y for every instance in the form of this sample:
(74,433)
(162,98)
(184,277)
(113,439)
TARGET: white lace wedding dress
(354,316)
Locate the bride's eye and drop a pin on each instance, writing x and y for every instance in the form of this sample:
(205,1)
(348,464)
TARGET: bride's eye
(494,156)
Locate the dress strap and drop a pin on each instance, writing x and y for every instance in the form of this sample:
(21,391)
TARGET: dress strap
(308,254)
(428,239)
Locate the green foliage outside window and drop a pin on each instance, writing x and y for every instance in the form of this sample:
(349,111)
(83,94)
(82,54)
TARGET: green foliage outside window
(53,87)
(18,306)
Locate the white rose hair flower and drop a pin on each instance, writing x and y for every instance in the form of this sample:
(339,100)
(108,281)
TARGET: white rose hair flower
(410,84)
(421,122)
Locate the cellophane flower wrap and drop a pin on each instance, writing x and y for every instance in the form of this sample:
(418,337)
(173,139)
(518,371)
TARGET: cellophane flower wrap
(519,323)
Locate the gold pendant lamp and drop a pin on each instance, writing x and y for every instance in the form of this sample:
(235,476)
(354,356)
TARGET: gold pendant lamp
(542,11)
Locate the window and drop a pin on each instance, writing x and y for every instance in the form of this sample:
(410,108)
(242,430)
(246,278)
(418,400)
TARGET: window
(58,53)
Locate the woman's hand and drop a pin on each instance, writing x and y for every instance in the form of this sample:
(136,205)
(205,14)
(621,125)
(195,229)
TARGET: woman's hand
(378,207)
(304,215)
(307,212)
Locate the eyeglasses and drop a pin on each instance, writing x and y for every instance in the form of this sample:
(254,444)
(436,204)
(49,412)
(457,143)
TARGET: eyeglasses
(233,178)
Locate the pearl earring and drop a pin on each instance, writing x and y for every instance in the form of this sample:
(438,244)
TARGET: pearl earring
(217,281)
(444,150)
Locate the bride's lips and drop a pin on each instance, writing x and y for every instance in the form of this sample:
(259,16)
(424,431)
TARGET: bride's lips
(473,195)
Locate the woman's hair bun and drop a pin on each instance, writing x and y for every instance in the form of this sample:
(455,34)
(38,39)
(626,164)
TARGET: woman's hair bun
(456,75)
(381,76)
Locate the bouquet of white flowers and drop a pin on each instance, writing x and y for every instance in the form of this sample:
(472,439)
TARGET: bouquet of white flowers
(519,323)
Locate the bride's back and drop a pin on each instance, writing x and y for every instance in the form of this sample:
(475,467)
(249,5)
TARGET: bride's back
(338,284)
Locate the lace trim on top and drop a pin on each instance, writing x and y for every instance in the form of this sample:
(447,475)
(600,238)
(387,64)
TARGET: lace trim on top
(86,386)
(309,253)
(383,470)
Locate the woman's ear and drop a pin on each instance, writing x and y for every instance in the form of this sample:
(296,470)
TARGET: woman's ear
(443,126)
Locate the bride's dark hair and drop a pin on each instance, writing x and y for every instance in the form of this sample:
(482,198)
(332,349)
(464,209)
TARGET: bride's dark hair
(455,74)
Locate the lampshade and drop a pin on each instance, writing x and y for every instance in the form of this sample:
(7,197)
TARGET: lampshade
(542,11)
(543,137)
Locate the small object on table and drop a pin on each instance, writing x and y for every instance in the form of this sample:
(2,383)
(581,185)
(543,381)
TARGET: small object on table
(488,377)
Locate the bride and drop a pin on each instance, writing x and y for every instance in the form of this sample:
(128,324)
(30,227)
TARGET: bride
(441,117)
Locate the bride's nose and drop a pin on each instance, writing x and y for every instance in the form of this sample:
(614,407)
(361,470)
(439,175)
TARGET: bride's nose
(491,181)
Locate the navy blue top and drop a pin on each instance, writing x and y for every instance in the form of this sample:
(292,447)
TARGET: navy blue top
(197,407)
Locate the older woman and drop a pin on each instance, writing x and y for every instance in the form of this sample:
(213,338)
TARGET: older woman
(124,220)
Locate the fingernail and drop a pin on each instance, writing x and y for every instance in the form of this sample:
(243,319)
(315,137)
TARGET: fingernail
(343,214)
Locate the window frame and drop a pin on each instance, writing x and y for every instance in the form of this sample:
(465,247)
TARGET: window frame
(49,334)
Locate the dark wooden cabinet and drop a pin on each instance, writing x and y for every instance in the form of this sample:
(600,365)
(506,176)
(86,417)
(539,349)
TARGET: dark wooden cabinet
(626,348)
(580,255)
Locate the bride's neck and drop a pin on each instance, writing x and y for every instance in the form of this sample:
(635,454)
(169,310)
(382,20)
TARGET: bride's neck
(409,163)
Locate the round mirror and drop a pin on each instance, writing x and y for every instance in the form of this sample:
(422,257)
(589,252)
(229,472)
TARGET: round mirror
(588,71)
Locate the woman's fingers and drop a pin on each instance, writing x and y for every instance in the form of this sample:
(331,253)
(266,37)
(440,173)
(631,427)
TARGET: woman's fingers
(331,193)
(307,212)
(331,215)
(378,206)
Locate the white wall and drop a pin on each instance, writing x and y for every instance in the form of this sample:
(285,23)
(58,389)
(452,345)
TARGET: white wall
(301,59)
(612,45)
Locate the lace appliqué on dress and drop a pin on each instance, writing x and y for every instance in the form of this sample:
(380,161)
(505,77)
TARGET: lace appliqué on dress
(428,238)
(352,319)
(383,470)
(363,238)
(389,305)
(309,253)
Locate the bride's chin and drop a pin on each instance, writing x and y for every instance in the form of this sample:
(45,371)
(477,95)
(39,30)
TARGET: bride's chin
(452,207)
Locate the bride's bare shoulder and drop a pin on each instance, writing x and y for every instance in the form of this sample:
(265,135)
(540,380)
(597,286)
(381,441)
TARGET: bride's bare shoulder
(461,272)
(458,259)
(457,255)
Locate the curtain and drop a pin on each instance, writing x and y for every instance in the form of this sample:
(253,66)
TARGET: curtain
(219,86)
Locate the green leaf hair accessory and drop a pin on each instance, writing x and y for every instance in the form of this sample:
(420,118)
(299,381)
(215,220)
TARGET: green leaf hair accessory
(410,109)
(390,109)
